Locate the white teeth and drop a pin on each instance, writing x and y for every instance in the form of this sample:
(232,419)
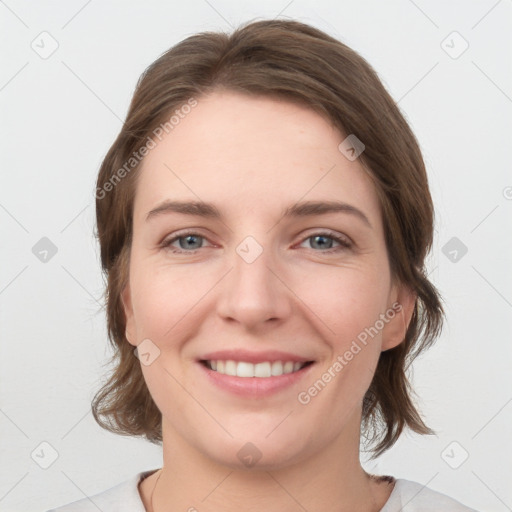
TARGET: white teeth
(245,369)
(277,368)
(262,370)
(288,367)
(230,368)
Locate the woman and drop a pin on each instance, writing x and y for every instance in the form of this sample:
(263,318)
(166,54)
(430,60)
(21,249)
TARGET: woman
(264,217)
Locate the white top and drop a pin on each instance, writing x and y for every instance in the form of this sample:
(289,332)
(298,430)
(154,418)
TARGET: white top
(407,496)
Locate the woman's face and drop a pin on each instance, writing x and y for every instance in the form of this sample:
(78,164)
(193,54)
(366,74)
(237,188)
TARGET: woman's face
(254,275)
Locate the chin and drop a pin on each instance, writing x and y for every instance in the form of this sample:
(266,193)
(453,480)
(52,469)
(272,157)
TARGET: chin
(255,452)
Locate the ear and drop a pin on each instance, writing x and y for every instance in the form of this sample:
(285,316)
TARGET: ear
(402,303)
(128,313)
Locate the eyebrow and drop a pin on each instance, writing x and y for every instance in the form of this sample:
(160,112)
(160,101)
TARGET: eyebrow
(302,209)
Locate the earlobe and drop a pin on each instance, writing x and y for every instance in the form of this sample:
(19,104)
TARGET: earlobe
(128,314)
(394,331)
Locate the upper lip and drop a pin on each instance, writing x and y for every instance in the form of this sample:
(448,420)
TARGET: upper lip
(253,357)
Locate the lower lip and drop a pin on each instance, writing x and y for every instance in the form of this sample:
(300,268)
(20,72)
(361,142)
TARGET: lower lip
(255,387)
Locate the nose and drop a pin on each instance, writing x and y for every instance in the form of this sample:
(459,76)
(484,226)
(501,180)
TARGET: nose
(253,293)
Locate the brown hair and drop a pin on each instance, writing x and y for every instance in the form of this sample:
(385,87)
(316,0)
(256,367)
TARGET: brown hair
(299,63)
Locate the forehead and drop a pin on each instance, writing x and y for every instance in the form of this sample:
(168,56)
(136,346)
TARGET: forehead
(252,154)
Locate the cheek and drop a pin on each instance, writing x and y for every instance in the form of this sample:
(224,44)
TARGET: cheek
(339,301)
(347,300)
(349,306)
(163,298)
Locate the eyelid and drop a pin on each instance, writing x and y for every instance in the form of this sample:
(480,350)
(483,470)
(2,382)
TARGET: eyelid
(168,239)
(344,241)
(328,232)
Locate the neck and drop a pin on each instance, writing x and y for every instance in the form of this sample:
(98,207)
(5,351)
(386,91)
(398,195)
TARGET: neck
(330,479)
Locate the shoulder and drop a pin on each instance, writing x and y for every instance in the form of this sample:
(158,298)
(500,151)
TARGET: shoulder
(408,496)
(124,497)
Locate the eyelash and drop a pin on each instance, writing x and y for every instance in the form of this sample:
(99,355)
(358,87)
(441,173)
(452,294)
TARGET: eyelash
(344,243)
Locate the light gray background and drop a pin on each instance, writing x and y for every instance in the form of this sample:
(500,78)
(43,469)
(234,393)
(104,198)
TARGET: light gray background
(60,115)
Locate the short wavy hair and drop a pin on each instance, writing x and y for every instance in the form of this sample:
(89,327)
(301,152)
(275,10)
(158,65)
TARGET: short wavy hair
(294,61)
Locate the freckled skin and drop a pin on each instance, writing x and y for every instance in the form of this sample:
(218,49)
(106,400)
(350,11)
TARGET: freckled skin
(253,157)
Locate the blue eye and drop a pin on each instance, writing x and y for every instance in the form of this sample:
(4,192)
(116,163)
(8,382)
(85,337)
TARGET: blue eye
(319,239)
(190,242)
(186,241)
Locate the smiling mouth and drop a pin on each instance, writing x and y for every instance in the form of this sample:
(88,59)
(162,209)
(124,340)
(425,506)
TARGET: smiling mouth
(262,370)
